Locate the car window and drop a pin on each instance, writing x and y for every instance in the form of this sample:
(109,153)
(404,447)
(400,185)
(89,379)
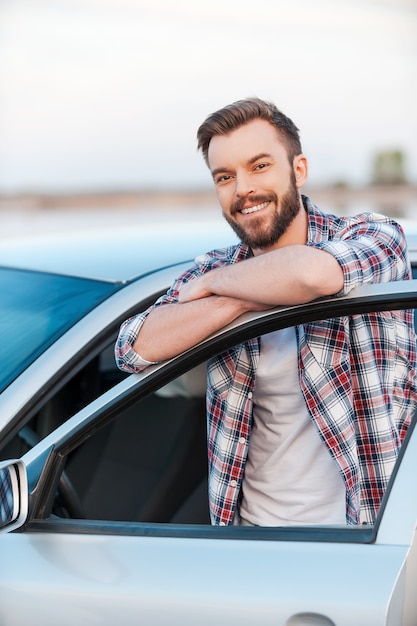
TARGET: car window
(149,464)
(93,379)
(36,309)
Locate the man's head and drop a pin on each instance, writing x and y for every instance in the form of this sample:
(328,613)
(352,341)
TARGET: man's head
(254,154)
(241,112)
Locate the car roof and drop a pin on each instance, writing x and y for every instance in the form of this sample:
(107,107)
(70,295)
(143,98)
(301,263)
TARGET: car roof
(121,254)
(117,254)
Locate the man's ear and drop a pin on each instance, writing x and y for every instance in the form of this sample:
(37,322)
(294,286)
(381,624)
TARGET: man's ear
(300,165)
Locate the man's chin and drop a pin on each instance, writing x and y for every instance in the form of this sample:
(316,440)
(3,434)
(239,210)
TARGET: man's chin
(255,240)
(247,236)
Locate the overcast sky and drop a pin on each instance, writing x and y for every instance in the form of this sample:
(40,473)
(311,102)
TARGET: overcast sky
(108,94)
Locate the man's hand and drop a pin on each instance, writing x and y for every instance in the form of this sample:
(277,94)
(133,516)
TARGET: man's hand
(198,288)
(194,290)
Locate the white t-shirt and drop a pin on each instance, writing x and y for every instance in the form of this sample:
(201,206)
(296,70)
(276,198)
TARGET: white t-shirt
(290,476)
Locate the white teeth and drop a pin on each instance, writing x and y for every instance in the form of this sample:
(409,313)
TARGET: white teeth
(252,209)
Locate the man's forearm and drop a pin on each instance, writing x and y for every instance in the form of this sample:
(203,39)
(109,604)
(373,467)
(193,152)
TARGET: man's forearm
(290,275)
(173,328)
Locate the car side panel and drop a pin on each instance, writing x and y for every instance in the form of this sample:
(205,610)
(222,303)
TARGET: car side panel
(67,579)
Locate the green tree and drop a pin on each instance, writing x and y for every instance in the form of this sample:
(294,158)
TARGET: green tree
(389,168)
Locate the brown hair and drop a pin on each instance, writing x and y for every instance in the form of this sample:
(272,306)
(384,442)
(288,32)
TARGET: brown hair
(241,112)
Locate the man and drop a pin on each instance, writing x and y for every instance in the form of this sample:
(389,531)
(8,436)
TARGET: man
(304,424)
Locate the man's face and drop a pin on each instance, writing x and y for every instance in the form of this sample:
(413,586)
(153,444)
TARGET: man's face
(255,183)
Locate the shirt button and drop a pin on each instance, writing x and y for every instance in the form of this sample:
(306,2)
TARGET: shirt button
(242,440)
(250,395)
(233,483)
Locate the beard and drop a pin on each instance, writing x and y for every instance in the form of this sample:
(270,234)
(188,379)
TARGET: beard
(259,236)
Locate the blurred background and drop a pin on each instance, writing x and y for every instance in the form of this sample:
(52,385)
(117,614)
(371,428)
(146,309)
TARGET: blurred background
(100,101)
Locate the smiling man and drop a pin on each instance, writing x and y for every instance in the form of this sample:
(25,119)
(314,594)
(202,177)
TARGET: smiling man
(304,424)
(251,170)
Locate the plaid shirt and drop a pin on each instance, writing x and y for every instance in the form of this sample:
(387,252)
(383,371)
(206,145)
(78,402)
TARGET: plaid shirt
(357,374)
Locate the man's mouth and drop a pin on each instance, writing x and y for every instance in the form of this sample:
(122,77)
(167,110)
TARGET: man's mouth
(253,209)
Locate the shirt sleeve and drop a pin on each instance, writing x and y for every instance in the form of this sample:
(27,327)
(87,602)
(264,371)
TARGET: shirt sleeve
(127,359)
(371,248)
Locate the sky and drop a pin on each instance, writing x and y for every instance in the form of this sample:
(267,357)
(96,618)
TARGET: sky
(107,95)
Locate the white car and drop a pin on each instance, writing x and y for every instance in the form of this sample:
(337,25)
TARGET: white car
(103,501)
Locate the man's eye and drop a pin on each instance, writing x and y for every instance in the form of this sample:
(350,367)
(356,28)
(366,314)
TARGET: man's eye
(261,166)
(223,178)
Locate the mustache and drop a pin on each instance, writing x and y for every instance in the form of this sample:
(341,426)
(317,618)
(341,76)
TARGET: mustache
(239,204)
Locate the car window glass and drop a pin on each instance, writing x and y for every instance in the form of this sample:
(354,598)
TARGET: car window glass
(36,309)
(98,374)
(150,464)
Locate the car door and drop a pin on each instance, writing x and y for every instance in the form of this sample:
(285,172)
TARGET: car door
(148,566)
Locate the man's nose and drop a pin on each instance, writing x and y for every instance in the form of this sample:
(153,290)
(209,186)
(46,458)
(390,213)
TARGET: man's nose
(244,184)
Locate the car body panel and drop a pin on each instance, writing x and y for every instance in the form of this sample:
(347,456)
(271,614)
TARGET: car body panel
(119,579)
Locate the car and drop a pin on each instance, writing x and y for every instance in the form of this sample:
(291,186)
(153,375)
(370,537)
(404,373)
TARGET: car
(103,475)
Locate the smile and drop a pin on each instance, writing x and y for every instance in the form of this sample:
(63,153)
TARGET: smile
(253,209)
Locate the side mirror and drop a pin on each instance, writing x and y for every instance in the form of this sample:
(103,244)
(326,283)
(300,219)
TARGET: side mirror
(13,495)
